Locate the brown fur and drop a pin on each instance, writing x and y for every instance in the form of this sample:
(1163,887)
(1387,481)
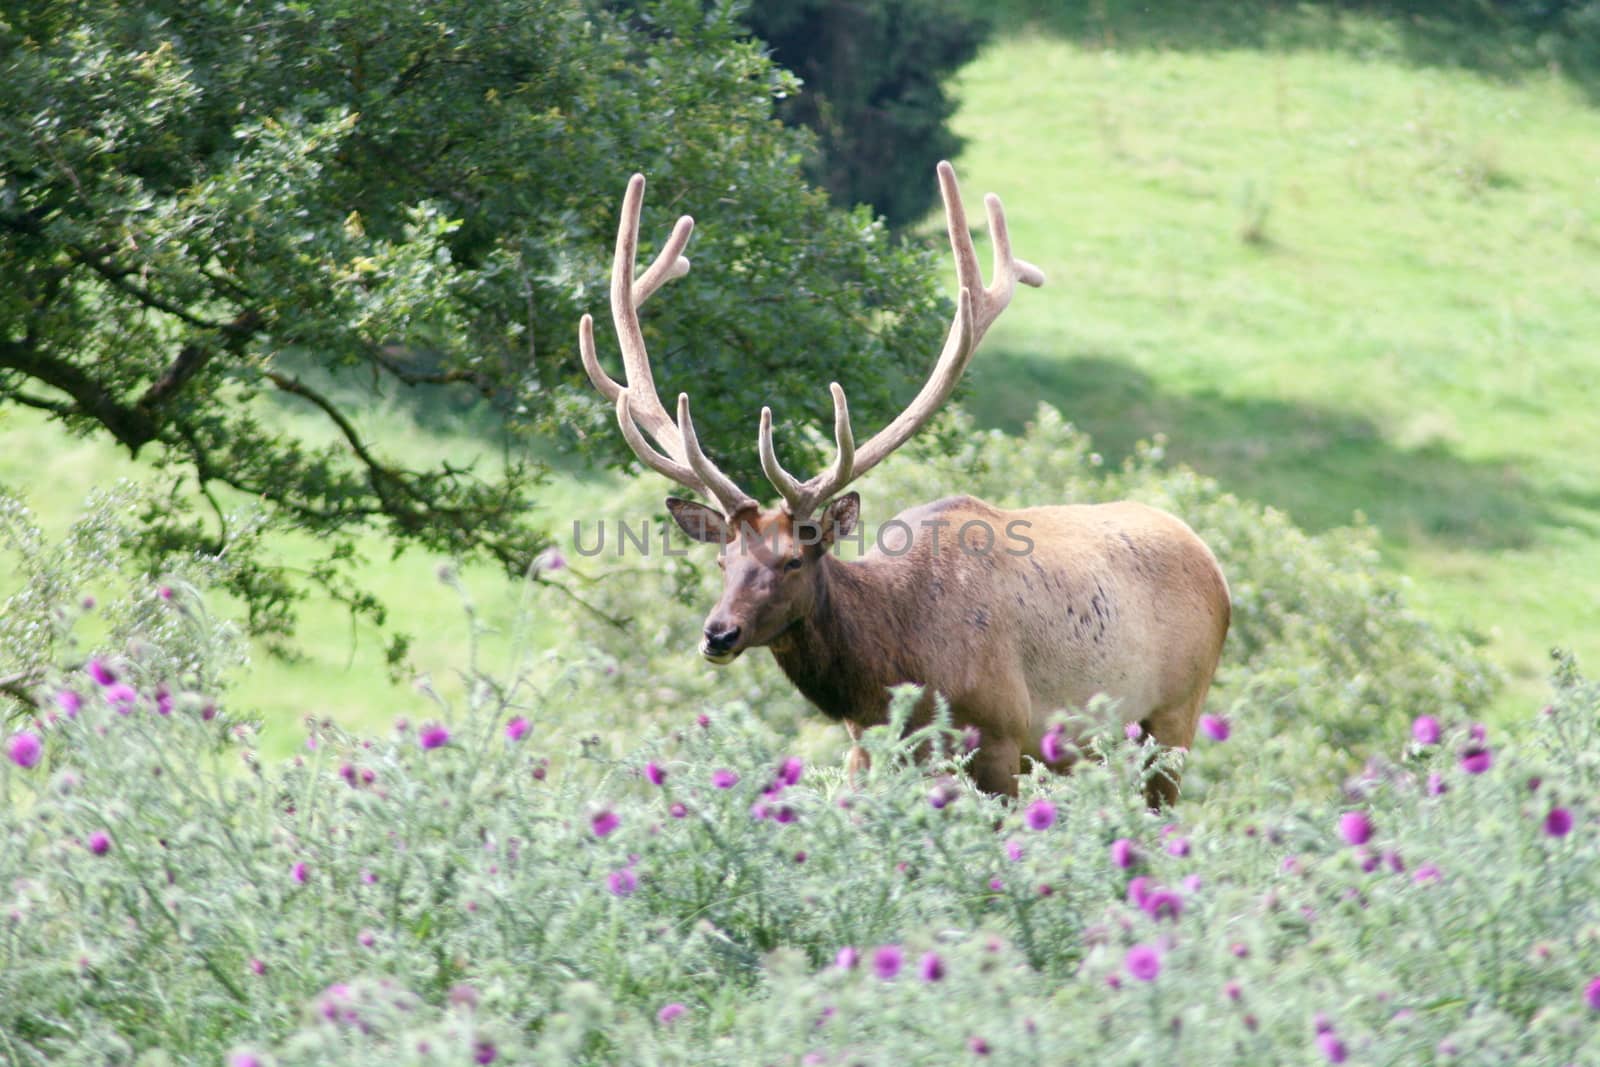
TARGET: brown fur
(1120,599)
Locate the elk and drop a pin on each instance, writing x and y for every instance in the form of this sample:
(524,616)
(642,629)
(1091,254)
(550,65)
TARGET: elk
(1074,600)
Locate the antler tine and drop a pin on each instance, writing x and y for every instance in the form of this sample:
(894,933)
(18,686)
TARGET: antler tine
(645,451)
(675,452)
(727,494)
(977,307)
(669,262)
(591,361)
(803,498)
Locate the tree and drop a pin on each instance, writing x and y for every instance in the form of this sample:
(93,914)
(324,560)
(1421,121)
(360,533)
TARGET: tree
(205,205)
(873,92)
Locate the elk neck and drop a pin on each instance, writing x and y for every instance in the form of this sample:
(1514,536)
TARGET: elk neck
(840,655)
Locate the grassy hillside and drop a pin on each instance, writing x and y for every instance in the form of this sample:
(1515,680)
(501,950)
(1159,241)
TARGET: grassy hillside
(1339,278)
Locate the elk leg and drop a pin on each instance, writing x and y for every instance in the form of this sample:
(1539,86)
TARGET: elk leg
(856,762)
(1171,727)
(995,767)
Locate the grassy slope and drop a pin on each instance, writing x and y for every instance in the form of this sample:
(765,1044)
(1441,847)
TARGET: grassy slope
(1338,281)
(339,671)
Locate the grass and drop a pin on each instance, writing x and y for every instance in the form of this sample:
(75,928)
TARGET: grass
(1341,281)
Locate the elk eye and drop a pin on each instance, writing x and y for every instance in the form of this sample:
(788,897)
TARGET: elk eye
(792,565)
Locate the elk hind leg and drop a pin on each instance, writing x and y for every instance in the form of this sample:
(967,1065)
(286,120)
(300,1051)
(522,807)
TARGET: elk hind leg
(1171,727)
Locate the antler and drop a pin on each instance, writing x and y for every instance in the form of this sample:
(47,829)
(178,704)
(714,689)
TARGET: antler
(977,306)
(676,450)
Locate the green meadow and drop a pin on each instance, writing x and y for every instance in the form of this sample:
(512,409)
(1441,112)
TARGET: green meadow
(1346,268)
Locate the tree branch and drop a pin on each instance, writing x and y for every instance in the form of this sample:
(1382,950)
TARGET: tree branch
(132,427)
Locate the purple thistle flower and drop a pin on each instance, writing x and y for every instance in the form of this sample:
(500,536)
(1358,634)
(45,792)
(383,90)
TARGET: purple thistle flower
(551,559)
(163,700)
(847,958)
(484,1052)
(678,811)
(790,770)
(1162,904)
(1123,853)
(1013,850)
(1333,1049)
(69,703)
(100,672)
(25,749)
(1143,962)
(603,822)
(759,810)
(978,1046)
(518,728)
(1232,990)
(1215,727)
(1478,732)
(970,737)
(99,842)
(943,794)
(670,1012)
(785,814)
(1427,874)
(622,882)
(1558,823)
(257,966)
(366,939)
(703,721)
(931,968)
(1139,891)
(724,779)
(1591,993)
(1476,758)
(1355,827)
(1425,730)
(164,592)
(1178,846)
(1050,745)
(300,872)
(996,884)
(1133,731)
(886,961)
(654,773)
(1040,815)
(243,1059)
(1437,784)
(433,736)
(121,696)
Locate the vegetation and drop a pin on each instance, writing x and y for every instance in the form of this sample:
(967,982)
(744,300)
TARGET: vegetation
(528,869)
(1366,287)
(205,205)
(873,91)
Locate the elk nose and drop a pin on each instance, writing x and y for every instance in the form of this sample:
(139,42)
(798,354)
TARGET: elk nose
(721,638)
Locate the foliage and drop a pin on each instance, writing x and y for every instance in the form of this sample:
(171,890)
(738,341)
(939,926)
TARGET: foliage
(207,208)
(446,893)
(873,91)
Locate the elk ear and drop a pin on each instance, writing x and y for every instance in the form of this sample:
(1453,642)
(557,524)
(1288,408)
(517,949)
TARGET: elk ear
(839,518)
(698,521)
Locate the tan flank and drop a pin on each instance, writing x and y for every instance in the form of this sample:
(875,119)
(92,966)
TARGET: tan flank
(1012,615)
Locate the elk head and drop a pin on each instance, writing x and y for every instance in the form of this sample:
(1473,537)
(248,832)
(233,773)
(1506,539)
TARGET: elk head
(773,558)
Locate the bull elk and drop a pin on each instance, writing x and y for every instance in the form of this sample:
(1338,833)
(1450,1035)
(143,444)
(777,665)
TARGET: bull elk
(1120,598)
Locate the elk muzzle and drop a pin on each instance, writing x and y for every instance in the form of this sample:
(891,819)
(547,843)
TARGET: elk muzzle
(720,643)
